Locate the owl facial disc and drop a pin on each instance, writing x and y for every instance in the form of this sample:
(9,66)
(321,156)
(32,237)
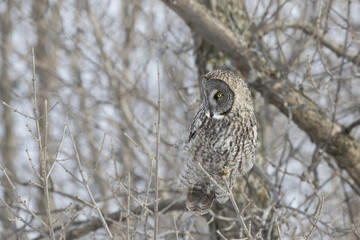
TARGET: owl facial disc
(218,98)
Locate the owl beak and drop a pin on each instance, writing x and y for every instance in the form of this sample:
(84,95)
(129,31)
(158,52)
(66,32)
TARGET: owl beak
(208,113)
(211,113)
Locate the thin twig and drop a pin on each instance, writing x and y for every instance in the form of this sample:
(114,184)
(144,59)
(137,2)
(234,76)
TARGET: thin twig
(233,202)
(176,229)
(319,209)
(17,111)
(156,207)
(44,176)
(20,200)
(136,199)
(188,234)
(23,220)
(211,178)
(278,228)
(86,183)
(221,235)
(80,199)
(139,147)
(58,151)
(151,169)
(31,132)
(231,196)
(128,209)
(33,165)
(264,177)
(98,158)
(320,206)
(42,149)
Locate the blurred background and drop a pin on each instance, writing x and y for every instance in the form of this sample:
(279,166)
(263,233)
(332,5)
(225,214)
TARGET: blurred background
(79,117)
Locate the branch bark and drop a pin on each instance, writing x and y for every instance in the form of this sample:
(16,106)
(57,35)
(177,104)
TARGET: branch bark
(321,129)
(201,21)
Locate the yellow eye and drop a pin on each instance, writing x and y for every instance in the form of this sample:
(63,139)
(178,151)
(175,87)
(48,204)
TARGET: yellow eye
(219,95)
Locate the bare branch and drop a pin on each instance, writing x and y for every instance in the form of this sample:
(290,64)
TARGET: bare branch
(156,210)
(85,181)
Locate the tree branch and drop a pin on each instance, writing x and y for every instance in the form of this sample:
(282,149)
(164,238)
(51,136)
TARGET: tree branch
(201,21)
(327,134)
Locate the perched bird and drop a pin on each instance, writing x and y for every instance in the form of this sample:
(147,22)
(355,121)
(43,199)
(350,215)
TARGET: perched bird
(222,140)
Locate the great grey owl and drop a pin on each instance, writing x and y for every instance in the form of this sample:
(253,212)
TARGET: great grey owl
(222,140)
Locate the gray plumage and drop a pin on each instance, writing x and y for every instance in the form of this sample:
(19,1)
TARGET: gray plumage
(222,139)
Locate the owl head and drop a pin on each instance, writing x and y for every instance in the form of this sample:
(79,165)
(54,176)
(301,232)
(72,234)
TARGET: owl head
(224,92)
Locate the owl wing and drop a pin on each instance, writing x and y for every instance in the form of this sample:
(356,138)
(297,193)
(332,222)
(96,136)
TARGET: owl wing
(197,123)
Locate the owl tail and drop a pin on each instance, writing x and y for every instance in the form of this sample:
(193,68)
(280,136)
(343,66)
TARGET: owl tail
(199,201)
